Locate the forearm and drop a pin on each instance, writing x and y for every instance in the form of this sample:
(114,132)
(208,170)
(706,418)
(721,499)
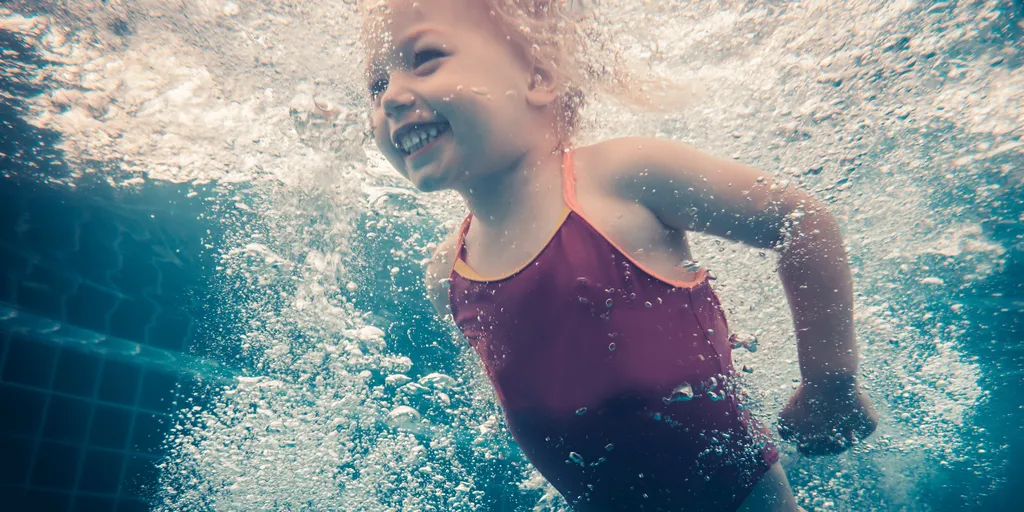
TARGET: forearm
(816,276)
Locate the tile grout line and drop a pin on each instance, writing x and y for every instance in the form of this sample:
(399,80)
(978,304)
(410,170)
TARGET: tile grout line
(131,434)
(88,431)
(42,420)
(86,399)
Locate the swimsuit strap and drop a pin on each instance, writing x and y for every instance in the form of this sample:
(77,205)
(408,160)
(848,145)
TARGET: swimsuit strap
(568,193)
(569,181)
(460,246)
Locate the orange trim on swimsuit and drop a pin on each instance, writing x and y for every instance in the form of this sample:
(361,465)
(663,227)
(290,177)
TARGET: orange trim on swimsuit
(571,206)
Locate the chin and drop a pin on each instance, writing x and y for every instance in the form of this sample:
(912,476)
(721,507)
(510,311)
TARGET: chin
(429,183)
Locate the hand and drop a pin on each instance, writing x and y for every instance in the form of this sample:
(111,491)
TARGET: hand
(827,418)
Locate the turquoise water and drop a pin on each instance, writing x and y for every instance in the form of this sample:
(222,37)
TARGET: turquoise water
(906,117)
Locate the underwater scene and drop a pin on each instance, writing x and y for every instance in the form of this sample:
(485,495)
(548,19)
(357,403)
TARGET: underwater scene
(212,280)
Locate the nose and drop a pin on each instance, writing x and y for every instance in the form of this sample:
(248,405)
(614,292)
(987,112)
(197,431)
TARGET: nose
(396,100)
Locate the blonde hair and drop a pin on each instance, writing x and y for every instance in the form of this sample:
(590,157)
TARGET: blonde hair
(564,36)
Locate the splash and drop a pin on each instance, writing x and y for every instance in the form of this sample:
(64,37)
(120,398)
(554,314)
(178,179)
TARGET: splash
(906,118)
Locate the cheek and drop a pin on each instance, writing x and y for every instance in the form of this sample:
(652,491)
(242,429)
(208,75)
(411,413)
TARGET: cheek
(380,132)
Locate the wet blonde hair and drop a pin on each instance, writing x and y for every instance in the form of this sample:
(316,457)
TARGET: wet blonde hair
(563,37)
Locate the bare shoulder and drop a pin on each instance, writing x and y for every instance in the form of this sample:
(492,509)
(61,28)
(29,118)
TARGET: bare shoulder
(687,188)
(624,167)
(631,157)
(438,269)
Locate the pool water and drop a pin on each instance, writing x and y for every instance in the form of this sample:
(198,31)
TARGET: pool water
(212,283)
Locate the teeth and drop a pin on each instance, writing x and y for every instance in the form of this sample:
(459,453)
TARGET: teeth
(419,138)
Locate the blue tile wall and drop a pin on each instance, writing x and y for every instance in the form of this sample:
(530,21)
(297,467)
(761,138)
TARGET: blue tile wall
(90,306)
(17,461)
(101,471)
(55,465)
(48,500)
(119,382)
(29,363)
(85,451)
(77,373)
(78,430)
(22,410)
(68,419)
(111,427)
(119,266)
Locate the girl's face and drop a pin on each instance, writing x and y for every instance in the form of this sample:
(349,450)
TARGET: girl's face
(449,93)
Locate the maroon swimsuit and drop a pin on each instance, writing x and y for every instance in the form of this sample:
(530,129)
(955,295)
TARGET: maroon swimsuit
(616,383)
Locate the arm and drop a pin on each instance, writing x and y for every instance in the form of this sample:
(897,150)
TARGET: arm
(438,269)
(690,190)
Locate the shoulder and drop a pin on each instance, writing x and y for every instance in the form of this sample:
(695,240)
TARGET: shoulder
(628,165)
(634,154)
(439,268)
(689,189)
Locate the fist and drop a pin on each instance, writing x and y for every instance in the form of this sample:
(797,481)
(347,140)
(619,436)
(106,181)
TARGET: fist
(827,418)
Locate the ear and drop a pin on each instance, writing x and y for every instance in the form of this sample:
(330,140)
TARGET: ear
(544,84)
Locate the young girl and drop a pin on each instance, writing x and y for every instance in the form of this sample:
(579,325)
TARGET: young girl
(611,359)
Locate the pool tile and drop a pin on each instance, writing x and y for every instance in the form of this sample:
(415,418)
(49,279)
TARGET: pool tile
(55,465)
(86,503)
(141,476)
(29,363)
(67,419)
(132,506)
(101,471)
(90,307)
(17,457)
(131,318)
(119,382)
(77,373)
(110,427)
(158,391)
(21,411)
(48,500)
(150,430)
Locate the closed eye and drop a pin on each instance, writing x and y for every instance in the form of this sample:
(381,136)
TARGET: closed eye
(424,56)
(377,87)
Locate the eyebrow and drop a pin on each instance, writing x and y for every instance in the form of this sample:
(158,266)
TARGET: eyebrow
(375,64)
(411,37)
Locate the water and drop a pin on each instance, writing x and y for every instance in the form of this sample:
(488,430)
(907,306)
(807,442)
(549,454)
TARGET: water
(906,117)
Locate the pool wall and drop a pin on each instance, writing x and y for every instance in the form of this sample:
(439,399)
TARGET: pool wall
(124,272)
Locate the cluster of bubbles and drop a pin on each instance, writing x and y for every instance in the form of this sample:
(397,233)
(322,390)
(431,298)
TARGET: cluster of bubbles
(906,118)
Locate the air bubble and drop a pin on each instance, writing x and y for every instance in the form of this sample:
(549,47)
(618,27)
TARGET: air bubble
(743,340)
(690,265)
(581,411)
(611,347)
(682,393)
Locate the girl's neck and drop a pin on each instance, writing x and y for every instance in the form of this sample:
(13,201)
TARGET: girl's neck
(530,184)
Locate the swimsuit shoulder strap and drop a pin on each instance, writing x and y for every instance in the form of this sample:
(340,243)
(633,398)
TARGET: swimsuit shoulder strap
(569,181)
(460,246)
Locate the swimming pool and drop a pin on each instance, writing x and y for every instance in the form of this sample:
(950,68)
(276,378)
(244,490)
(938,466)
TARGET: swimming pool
(191,211)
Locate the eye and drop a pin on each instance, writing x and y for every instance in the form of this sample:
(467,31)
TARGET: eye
(377,87)
(424,56)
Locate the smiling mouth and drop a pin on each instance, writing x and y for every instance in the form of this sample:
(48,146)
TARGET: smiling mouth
(412,139)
